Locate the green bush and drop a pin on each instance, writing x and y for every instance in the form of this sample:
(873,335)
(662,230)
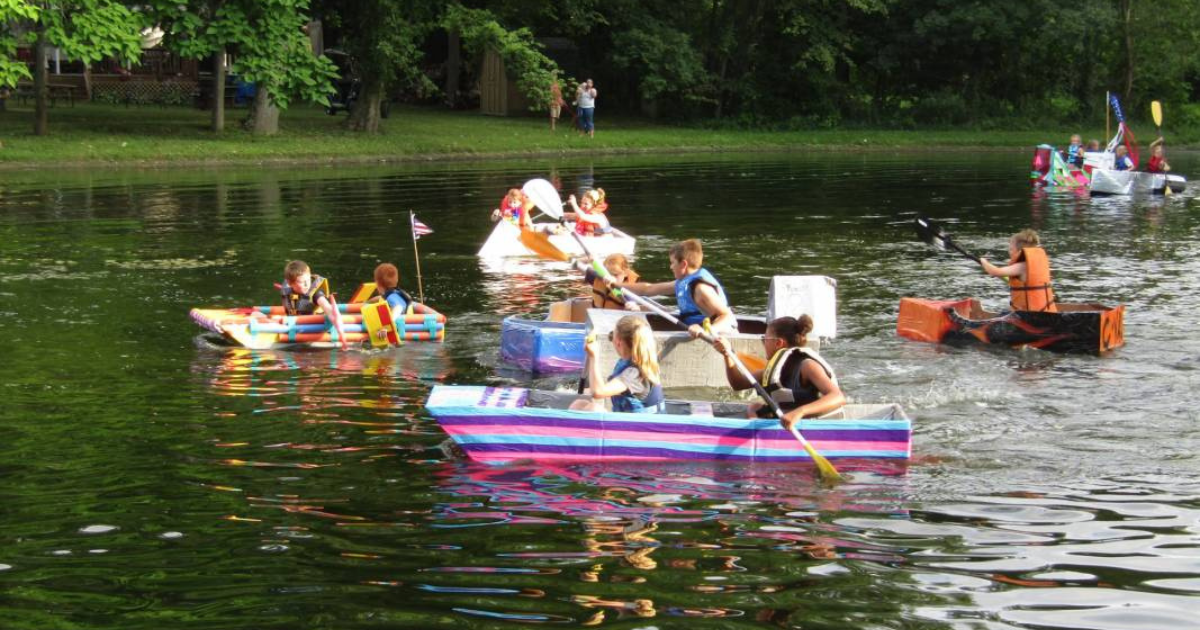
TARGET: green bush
(941,108)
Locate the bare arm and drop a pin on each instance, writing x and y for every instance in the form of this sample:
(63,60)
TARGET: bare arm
(334,316)
(831,398)
(713,306)
(600,387)
(1015,270)
(649,288)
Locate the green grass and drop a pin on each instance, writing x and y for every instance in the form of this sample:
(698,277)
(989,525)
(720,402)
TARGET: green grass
(95,134)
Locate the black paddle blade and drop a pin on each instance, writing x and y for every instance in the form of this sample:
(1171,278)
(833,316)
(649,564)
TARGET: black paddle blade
(930,232)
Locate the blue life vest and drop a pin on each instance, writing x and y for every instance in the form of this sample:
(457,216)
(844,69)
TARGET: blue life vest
(398,300)
(303,304)
(689,311)
(1123,163)
(652,402)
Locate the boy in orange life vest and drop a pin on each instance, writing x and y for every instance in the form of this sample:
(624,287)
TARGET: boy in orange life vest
(302,293)
(602,297)
(1028,273)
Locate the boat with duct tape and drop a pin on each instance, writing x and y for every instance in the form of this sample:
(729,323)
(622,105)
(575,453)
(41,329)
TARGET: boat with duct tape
(1079,328)
(269,327)
(554,345)
(504,424)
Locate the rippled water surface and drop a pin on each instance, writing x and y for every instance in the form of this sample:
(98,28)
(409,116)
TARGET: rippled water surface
(154,478)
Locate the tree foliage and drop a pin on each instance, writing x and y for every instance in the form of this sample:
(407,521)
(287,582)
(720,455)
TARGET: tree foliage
(522,55)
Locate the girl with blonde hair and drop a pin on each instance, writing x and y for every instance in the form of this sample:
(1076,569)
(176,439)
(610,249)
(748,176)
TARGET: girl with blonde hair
(635,385)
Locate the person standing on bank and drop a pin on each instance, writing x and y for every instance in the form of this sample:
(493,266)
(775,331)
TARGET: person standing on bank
(585,102)
(556,103)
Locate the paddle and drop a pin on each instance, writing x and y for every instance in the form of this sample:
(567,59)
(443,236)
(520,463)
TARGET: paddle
(933,234)
(828,472)
(1156,113)
(543,195)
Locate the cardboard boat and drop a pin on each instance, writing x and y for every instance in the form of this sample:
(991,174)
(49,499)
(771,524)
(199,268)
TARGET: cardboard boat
(503,424)
(1080,328)
(505,241)
(268,327)
(1110,182)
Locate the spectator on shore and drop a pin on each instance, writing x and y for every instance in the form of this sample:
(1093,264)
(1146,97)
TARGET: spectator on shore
(585,102)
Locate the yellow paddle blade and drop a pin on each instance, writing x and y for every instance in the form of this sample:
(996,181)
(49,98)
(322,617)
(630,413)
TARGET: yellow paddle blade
(752,362)
(824,467)
(539,243)
(1156,112)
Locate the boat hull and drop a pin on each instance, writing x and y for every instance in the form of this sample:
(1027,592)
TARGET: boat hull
(266,327)
(1076,328)
(1111,182)
(503,424)
(505,242)
(541,346)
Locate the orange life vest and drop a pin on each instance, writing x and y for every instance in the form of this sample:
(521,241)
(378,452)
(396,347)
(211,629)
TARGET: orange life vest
(602,297)
(1034,294)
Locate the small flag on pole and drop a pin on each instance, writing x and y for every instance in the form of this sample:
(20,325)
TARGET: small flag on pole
(419,229)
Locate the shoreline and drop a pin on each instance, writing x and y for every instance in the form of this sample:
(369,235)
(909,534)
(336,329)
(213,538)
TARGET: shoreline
(107,138)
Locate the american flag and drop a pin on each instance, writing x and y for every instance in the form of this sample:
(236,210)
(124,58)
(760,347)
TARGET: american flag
(419,229)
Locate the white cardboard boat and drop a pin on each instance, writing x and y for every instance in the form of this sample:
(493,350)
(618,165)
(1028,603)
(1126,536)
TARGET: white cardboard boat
(505,241)
(1110,182)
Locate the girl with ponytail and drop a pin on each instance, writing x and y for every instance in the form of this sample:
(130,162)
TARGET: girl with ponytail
(797,378)
(635,385)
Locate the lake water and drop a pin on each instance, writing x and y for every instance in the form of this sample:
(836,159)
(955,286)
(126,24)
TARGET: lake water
(154,478)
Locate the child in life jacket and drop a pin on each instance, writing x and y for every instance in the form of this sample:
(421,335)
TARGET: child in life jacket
(387,280)
(1028,273)
(510,207)
(1121,161)
(697,291)
(1073,155)
(635,385)
(1158,161)
(795,376)
(589,213)
(618,267)
(303,292)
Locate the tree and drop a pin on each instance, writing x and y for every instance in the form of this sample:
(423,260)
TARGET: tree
(522,55)
(271,50)
(84,30)
(383,38)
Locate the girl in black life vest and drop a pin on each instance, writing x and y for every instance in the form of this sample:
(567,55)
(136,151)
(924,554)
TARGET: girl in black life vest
(797,378)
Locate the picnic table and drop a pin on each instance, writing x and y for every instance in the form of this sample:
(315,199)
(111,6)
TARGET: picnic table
(54,90)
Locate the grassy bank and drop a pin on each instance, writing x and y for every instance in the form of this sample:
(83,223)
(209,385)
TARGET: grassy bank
(95,134)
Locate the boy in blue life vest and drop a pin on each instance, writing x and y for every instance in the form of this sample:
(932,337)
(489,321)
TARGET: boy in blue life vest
(303,293)
(698,293)
(387,281)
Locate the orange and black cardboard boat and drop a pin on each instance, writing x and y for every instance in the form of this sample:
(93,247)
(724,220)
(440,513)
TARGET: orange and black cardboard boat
(1078,328)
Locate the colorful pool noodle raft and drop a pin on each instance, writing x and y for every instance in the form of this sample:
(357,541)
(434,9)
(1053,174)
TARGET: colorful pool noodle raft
(265,327)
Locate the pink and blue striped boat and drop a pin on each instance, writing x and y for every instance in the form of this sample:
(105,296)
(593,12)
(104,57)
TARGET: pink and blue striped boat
(503,424)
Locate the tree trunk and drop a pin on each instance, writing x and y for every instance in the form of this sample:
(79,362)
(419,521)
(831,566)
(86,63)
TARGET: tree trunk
(218,92)
(366,113)
(40,96)
(453,68)
(264,115)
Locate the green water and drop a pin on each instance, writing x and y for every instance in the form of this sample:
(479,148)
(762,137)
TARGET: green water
(155,478)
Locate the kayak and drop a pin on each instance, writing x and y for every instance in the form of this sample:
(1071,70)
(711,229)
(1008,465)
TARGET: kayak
(505,241)
(501,424)
(1080,328)
(267,327)
(1110,182)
